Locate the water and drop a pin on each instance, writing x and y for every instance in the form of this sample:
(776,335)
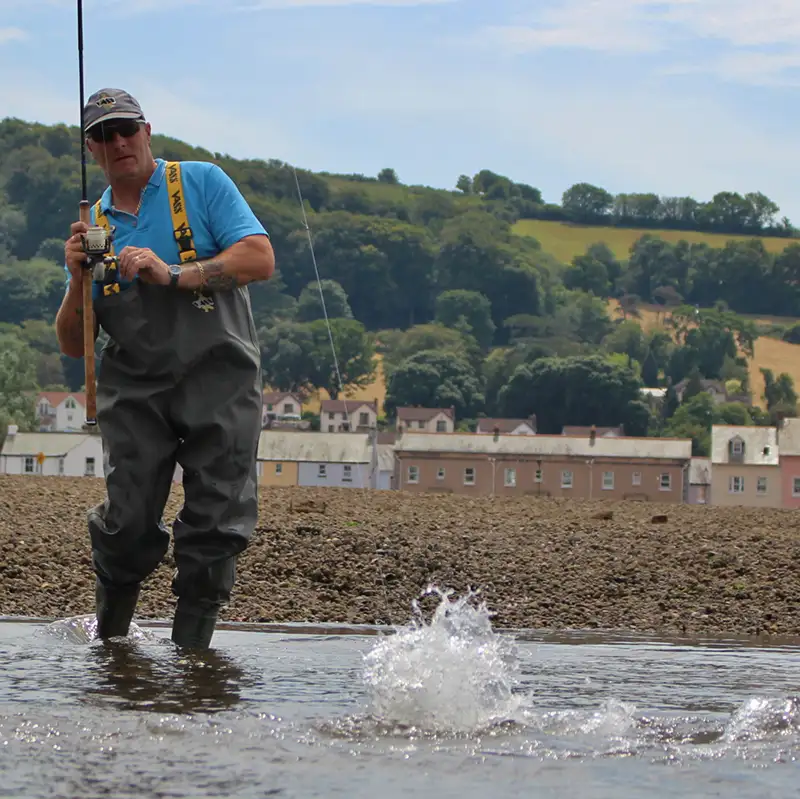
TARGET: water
(445,706)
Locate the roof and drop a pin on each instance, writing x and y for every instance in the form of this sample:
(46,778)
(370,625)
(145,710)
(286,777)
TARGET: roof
(756,441)
(706,384)
(52,445)
(700,471)
(385,458)
(423,414)
(271,397)
(577,430)
(338,406)
(789,437)
(313,447)
(504,425)
(543,445)
(55,398)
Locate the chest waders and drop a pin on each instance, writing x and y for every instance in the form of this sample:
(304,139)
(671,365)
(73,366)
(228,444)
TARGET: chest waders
(179,382)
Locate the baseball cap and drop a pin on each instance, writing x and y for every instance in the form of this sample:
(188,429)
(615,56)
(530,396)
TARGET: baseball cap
(107,104)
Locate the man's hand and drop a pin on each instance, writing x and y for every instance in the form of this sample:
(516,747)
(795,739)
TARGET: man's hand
(145,263)
(74,255)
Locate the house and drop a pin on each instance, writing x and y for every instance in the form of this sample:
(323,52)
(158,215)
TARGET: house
(427,420)
(507,427)
(788,432)
(652,469)
(281,405)
(745,467)
(75,454)
(287,458)
(699,481)
(587,432)
(716,389)
(386,470)
(337,416)
(61,411)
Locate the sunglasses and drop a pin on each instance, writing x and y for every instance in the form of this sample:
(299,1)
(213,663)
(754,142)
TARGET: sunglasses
(105,132)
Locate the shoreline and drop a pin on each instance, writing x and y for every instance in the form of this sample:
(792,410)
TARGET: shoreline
(359,556)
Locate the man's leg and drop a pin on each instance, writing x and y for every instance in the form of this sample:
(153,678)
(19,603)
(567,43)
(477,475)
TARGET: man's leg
(218,414)
(128,535)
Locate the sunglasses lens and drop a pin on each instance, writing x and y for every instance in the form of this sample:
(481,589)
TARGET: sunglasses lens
(105,133)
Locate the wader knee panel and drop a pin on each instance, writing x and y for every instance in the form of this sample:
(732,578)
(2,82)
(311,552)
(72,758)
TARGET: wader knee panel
(128,535)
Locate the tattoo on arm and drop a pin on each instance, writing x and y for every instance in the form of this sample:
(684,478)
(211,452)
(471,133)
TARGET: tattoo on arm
(216,279)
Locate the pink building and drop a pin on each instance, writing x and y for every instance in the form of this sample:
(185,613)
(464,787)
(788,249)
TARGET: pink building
(789,449)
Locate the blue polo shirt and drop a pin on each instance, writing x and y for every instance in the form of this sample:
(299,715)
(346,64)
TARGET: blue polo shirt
(219,216)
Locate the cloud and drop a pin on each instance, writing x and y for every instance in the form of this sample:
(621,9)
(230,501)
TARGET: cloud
(12,35)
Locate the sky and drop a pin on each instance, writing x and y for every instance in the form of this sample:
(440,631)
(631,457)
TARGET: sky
(677,97)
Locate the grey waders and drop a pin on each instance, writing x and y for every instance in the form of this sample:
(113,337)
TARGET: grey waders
(179,381)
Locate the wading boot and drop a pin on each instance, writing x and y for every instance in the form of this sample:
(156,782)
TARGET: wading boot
(115,608)
(193,624)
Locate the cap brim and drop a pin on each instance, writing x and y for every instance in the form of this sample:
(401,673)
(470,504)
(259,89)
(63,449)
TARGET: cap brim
(114,115)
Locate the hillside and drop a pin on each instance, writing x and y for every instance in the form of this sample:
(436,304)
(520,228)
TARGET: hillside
(484,297)
(566,240)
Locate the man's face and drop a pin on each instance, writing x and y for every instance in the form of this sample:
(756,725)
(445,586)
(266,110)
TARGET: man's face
(121,148)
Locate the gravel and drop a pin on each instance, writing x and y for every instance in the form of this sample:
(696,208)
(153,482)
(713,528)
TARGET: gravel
(362,557)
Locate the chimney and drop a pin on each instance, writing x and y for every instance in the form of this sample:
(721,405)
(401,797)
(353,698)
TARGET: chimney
(592,436)
(12,430)
(496,432)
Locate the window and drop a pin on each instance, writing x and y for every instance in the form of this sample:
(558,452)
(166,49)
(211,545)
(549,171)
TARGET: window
(566,479)
(347,475)
(636,479)
(537,476)
(736,485)
(331,428)
(278,468)
(288,408)
(510,478)
(761,485)
(363,419)
(61,466)
(421,424)
(469,476)
(413,474)
(69,404)
(89,469)
(608,481)
(441,426)
(440,473)
(332,417)
(322,471)
(665,482)
(28,465)
(796,487)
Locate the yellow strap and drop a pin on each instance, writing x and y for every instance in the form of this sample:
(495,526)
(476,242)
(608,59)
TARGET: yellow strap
(180,219)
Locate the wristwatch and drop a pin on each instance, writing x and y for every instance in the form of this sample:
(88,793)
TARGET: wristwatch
(175,273)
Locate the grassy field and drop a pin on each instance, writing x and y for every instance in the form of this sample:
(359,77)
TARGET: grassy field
(565,241)
(770,353)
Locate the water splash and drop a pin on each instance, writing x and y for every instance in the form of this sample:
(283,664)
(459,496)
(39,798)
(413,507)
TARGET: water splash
(760,717)
(453,674)
(83,630)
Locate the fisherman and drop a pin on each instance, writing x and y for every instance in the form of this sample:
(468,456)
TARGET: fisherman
(179,380)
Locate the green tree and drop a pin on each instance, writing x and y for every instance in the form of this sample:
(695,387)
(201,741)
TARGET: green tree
(471,306)
(309,303)
(355,356)
(17,382)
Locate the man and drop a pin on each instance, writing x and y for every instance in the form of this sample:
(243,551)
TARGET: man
(179,380)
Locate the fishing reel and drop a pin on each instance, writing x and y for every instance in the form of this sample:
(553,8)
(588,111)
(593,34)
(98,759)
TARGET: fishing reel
(97,246)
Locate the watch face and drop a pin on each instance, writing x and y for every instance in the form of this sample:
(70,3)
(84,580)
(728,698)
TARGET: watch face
(176,270)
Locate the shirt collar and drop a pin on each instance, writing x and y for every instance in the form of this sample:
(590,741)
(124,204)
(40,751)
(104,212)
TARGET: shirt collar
(156,179)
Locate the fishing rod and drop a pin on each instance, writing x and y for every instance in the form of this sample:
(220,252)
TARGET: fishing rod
(96,245)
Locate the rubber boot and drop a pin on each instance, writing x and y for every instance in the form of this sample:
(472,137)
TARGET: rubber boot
(115,608)
(193,625)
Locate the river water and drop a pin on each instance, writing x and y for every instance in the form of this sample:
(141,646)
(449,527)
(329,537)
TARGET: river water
(443,707)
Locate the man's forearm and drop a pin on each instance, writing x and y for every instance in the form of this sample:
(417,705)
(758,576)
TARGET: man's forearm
(246,261)
(69,322)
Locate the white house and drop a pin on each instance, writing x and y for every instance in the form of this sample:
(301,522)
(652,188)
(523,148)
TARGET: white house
(57,454)
(61,411)
(386,467)
(337,416)
(426,420)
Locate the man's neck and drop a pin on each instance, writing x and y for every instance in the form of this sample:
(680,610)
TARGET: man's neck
(127,194)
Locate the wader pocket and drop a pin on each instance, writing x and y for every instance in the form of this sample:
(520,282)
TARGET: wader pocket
(122,317)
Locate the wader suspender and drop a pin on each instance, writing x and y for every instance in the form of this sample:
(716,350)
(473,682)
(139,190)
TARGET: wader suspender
(180,226)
